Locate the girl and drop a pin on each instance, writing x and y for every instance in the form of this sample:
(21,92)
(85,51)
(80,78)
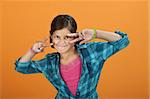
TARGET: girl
(75,68)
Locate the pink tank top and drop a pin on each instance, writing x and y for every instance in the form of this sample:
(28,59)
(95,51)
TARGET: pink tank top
(71,74)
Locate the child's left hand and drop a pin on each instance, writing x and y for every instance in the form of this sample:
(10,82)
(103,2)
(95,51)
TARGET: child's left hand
(85,35)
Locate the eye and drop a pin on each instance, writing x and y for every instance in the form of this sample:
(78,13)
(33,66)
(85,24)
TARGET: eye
(67,37)
(56,36)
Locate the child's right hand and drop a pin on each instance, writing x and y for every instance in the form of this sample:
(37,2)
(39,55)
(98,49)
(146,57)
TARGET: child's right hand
(39,46)
(36,48)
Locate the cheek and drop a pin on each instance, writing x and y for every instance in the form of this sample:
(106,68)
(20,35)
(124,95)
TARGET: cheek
(55,41)
(67,42)
(70,45)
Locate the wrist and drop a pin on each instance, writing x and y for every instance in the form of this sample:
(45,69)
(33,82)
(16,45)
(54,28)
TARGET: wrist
(32,51)
(29,55)
(99,34)
(94,34)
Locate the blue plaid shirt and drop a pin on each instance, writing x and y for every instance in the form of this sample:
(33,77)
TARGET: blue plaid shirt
(93,56)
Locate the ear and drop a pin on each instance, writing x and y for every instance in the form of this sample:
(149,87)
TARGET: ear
(51,40)
(51,43)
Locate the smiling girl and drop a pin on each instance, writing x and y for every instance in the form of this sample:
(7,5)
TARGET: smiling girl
(75,68)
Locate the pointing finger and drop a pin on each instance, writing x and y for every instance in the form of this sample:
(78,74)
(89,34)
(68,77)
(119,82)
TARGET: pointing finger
(73,34)
(45,39)
(75,40)
(84,41)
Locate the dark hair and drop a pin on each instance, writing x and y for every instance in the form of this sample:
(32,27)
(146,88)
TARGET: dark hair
(63,21)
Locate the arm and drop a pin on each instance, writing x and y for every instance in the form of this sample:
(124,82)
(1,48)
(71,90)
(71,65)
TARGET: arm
(116,42)
(109,36)
(26,65)
(28,56)
(32,66)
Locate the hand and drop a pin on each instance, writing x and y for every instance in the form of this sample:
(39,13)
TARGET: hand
(85,35)
(39,46)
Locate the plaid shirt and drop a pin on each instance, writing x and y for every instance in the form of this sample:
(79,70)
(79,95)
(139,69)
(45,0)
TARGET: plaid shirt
(93,56)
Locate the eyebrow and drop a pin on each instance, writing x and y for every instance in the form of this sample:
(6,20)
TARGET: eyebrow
(57,35)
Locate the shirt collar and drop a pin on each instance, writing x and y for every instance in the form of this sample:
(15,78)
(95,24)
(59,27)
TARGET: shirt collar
(81,46)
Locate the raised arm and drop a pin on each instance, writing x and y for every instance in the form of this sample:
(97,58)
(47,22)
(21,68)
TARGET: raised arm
(116,41)
(26,65)
(108,36)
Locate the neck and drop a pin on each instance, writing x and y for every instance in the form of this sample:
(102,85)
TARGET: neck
(69,54)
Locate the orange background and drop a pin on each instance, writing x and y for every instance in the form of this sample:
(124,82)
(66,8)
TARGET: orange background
(124,75)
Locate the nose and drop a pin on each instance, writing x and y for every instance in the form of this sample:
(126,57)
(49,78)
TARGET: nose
(62,42)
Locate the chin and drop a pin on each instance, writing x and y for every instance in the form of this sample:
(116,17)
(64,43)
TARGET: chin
(62,51)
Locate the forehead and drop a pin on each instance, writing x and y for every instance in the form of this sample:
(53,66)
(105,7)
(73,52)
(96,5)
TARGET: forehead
(62,32)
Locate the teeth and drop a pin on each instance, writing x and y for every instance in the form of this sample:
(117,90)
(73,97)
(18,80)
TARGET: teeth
(62,47)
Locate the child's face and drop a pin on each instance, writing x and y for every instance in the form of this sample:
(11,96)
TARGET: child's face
(61,40)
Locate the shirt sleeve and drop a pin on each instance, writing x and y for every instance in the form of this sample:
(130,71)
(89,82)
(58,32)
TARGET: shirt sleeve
(107,49)
(32,66)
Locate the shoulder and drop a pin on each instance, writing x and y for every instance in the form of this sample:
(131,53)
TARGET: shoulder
(88,50)
(53,54)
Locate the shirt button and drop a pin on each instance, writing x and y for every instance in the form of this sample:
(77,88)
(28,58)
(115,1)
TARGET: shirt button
(78,93)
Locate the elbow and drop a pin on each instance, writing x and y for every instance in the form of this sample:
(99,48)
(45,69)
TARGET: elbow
(128,42)
(19,68)
(125,43)
(118,37)
(22,71)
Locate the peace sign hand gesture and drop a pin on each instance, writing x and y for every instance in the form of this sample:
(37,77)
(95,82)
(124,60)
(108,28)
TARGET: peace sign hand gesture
(85,35)
(40,45)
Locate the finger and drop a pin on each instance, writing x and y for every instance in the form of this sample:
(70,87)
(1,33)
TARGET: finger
(39,42)
(41,49)
(75,40)
(73,34)
(39,45)
(45,46)
(81,34)
(84,41)
(45,39)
